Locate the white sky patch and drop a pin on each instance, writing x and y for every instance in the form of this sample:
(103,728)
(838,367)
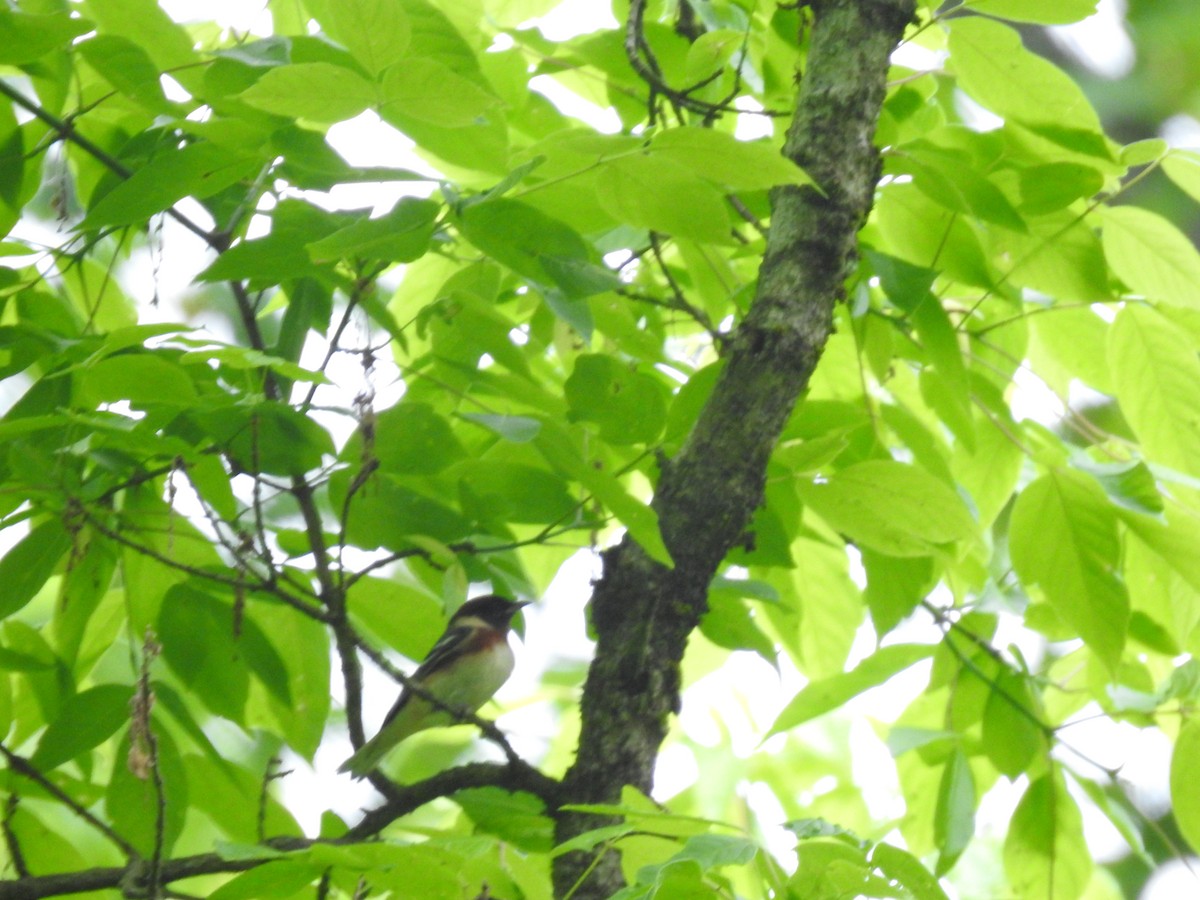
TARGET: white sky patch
(1181,131)
(238,15)
(603,119)
(1100,41)
(911,55)
(1031,399)
(974,115)
(1173,880)
(750,126)
(366,140)
(573,18)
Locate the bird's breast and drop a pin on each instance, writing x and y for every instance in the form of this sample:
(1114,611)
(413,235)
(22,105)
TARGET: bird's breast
(478,676)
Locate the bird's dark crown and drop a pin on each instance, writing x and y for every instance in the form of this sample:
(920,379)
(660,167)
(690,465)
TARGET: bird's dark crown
(496,611)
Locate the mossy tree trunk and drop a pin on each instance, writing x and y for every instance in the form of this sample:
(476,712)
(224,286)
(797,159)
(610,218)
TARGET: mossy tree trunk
(643,612)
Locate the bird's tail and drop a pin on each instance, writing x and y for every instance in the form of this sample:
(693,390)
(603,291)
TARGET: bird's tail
(366,759)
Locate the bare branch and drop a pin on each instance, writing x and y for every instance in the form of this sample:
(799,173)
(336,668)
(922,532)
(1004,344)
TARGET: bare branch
(23,766)
(401,802)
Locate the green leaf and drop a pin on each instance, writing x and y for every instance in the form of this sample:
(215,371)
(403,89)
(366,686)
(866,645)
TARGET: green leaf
(828,869)
(650,192)
(85,586)
(1127,484)
(401,235)
(630,407)
(85,721)
(908,287)
(282,254)
(168,699)
(1053,186)
(410,439)
(710,52)
(521,237)
(376,32)
(896,509)
(1183,168)
(128,68)
(277,879)
(719,157)
(517,429)
(197,635)
(1152,256)
(1059,256)
(1063,537)
(272,438)
(918,230)
(27,566)
(1010,738)
(1045,854)
(948,177)
(954,819)
(518,818)
(823,696)
(1056,12)
(894,586)
(1185,775)
(1071,343)
(1157,380)
(197,170)
(426,90)
(902,867)
(299,695)
(389,513)
(25,38)
(229,795)
(996,69)
(144,379)
(496,491)
(1174,541)
(318,92)
(556,446)
(12,180)
(263,659)
(579,278)
(404,618)
(146,23)
(729,622)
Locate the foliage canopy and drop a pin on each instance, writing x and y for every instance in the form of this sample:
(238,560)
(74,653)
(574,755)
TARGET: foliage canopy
(205,519)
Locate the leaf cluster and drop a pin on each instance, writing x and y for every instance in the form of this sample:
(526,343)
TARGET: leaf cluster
(214,516)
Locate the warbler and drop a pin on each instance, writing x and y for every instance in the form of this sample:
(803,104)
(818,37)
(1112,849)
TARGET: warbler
(464,669)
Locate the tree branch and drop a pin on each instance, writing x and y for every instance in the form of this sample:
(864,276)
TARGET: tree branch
(643,612)
(403,801)
(67,132)
(22,766)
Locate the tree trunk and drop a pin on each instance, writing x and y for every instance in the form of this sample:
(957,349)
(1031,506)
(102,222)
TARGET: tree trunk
(643,612)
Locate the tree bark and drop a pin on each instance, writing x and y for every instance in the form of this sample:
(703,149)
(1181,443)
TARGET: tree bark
(643,612)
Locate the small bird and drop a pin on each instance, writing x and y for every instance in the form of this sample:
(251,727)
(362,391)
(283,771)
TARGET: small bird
(464,669)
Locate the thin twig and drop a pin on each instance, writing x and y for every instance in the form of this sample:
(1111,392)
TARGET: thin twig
(681,300)
(271,773)
(471,548)
(67,132)
(234,582)
(644,63)
(10,837)
(23,766)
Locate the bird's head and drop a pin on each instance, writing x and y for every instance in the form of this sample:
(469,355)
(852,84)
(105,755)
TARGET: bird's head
(491,609)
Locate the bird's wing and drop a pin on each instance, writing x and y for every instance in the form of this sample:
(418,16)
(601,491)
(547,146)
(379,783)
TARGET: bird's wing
(446,649)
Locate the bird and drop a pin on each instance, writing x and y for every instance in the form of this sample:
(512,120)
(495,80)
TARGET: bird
(467,665)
